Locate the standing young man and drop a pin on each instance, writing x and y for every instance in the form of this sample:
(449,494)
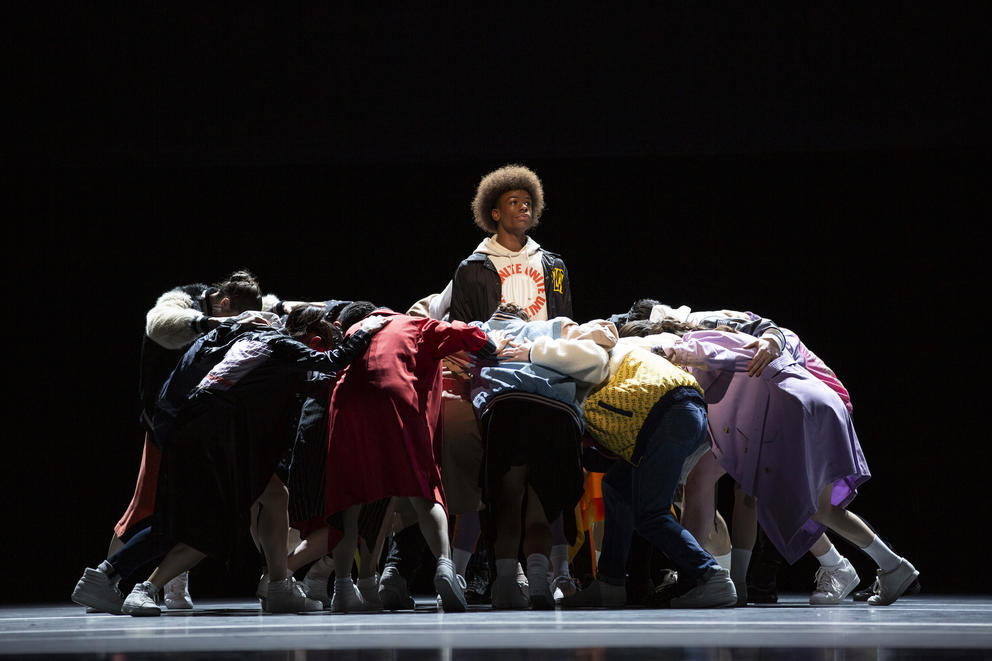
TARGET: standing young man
(509,266)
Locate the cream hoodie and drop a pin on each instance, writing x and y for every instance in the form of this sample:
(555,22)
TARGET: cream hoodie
(521,274)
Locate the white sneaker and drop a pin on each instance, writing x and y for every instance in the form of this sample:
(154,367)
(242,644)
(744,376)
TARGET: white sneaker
(347,598)
(287,596)
(369,587)
(834,583)
(177,593)
(450,586)
(714,590)
(97,591)
(393,591)
(262,590)
(316,588)
(141,601)
(508,593)
(892,584)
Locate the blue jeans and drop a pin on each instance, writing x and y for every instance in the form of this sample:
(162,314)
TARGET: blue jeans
(640,497)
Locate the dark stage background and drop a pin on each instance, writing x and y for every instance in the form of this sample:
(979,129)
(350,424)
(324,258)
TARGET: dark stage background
(824,169)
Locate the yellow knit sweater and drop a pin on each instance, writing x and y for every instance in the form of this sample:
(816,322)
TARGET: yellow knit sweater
(615,413)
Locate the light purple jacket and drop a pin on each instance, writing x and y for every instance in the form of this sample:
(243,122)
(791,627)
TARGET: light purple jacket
(784,436)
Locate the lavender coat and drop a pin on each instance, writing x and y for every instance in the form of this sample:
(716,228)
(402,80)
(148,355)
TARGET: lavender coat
(784,436)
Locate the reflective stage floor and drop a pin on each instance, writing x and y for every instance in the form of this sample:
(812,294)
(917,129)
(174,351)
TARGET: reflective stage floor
(917,627)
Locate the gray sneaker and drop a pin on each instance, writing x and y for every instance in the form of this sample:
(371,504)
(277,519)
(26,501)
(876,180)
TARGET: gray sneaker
(141,601)
(316,588)
(598,595)
(393,592)
(369,587)
(714,590)
(833,584)
(97,591)
(287,596)
(893,584)
(347,598)
(450,587)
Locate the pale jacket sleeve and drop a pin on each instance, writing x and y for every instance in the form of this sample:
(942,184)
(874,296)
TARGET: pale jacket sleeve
(175,320)
(708,350)
(583,360)
(603,333)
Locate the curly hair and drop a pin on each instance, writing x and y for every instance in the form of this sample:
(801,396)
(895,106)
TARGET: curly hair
(497,182)
(514,309)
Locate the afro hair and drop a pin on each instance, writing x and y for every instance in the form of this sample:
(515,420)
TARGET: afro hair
(497,182)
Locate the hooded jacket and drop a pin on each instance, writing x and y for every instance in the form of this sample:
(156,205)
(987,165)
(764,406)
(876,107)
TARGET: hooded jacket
(477,286)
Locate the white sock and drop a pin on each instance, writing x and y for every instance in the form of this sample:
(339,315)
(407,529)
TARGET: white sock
(461,557)
(882,555)
(831,558)
(344,586)
(739,561)
(724,560)
(537,569)
(506,567)
(559,560)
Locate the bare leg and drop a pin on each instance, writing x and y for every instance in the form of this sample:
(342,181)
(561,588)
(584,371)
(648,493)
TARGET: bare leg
(180,558)
(700,516)
(253,525)
(508,515)
(312,548)
(821,546)
(745,520)
(719,541)
(537,535)
(273,526)
(344,552)
(846,524)
(433,525)
(115,545)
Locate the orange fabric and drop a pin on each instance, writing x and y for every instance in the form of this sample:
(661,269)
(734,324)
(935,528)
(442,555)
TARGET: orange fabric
(589,510)
(143,502)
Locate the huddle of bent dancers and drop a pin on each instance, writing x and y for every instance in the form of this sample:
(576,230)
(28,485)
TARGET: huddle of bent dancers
(482,409)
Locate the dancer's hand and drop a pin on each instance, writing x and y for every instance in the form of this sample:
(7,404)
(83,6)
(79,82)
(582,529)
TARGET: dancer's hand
(765,352)
(372,324)
(516,351)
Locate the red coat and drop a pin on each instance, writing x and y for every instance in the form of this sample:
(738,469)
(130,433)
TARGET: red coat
(385,411)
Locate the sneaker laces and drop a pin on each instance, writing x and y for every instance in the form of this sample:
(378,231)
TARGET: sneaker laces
(826,580)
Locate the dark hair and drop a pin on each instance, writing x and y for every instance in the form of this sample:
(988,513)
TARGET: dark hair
(497,182)
(354,312)
(641,309)
(307,319)
(242,289)
(514,309)
(644,327)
